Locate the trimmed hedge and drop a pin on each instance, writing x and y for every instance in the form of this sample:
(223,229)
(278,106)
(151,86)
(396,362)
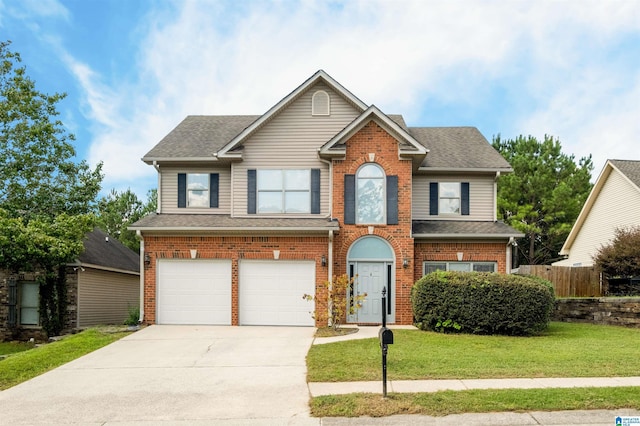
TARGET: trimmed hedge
(482,303)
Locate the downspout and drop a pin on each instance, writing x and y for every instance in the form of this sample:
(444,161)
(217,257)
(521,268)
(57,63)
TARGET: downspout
(141,238)
(512,243)
(330,164)
(495,196)
(330,272)
(159,190)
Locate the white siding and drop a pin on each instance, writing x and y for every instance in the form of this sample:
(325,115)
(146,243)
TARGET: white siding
(169,199)
(481,197)
(291,140)
(617,205)
(104,297)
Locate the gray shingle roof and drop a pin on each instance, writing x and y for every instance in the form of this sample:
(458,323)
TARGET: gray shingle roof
(110,254)
(457,229)
(200,136)
(199,222)
(630,168)
(458,148)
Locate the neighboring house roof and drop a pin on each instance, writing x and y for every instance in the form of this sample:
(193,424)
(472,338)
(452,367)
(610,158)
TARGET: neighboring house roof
(455,148)
(628,169)
(105,252)
(205,222)
(462,229)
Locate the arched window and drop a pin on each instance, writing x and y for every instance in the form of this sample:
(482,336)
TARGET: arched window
(370,195)
(320,103)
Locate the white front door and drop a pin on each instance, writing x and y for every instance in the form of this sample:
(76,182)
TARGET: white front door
(370,279)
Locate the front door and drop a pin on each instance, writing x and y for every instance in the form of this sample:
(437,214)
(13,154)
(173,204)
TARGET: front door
(370,278)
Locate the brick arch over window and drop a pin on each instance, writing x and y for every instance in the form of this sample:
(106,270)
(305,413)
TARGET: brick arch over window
(342,251)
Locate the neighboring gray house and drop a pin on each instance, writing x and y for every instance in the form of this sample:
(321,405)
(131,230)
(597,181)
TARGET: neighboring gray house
(614,202)
(101,286)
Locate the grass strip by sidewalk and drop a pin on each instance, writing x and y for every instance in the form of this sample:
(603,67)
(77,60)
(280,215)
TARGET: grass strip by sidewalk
(564,350)
(475,401)
(23,366)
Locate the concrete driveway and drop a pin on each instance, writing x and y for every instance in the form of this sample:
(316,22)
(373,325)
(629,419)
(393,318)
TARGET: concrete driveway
(175,374)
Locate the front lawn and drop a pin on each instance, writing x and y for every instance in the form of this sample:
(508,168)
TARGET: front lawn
(564,350)
(23,366)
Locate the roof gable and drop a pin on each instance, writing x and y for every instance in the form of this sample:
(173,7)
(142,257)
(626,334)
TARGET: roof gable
(628,169)
(408,145)
(227,151)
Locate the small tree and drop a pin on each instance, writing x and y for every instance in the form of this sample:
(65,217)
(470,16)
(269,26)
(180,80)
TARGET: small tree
(337,301)
(621,258)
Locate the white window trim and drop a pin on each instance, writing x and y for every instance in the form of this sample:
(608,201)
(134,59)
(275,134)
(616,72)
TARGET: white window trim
(441,197)
(208,190)
(447,263)
(314,109)
(282,191)
(384,195)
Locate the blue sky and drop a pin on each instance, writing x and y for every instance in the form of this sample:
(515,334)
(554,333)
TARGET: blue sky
(134,69)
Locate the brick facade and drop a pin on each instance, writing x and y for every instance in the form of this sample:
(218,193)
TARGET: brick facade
(472,251)
(233,248)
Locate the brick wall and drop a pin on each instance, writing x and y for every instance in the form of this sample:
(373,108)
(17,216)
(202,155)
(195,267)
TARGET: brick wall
(308,247)
(599,310)
(374,139)
(448,251)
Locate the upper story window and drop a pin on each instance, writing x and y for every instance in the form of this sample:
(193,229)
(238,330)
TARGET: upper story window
(449,198)
(449,193)
(284,191)
(320,103)
(370,195)
(198,190)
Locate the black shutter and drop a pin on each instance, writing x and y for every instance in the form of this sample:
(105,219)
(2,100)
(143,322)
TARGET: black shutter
(12,319)
(214,185)
(350,199)
(464,195)
(182,190)
(433,198)
(251,191)
(392,200)
(315,191)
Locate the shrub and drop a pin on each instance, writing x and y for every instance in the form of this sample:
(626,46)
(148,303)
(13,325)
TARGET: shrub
(337,301)
(621,258)
(482,303)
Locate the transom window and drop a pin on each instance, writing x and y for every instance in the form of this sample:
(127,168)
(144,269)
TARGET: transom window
(284,191)
(460,266)
(449,198)
(198,190)
(370,195)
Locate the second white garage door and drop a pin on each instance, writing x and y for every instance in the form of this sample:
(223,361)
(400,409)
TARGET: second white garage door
(271,292)
(194,292)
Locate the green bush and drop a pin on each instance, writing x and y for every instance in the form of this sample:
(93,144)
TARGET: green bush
(482,303)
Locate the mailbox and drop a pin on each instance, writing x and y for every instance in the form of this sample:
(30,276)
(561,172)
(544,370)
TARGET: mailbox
(386,336)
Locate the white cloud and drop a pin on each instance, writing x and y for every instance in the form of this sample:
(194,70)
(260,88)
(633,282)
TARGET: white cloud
(241,58)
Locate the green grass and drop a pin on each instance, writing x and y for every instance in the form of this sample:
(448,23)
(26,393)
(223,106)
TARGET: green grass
(565,350)
(475,401)
(7,348)
(23,366)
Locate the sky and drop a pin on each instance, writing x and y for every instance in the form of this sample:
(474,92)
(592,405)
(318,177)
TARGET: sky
(132,70)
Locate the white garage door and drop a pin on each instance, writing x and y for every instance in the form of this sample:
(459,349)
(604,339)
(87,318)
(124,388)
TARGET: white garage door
(194,292)
(271,292)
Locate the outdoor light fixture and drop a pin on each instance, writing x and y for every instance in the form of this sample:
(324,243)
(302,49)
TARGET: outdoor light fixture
(147,259)
(323,261)
(405,263)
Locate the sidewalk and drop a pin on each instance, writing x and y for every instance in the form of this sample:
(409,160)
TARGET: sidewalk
(573,417)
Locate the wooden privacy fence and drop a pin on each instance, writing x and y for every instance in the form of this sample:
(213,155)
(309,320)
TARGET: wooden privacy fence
(568,281)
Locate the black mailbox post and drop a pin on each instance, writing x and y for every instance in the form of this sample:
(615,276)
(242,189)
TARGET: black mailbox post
(386,338)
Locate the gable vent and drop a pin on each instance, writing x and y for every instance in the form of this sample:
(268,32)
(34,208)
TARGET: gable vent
(320,103)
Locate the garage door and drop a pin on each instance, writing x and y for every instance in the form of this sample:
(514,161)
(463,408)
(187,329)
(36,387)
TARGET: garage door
(271,292)
(194,292)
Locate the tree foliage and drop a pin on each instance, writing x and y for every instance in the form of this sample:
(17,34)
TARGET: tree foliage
(543,196)
(38,174)
(620,258)
(118,210)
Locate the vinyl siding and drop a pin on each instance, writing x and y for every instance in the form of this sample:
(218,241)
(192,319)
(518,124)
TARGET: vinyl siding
(105,297)
(291,141)
(617,205)
(481,197)
(169,182)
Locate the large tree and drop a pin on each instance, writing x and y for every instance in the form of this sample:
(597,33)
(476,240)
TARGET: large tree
(118,210)
(543,196)
(47,197)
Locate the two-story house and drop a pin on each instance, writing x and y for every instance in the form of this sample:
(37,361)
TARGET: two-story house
(256,211)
